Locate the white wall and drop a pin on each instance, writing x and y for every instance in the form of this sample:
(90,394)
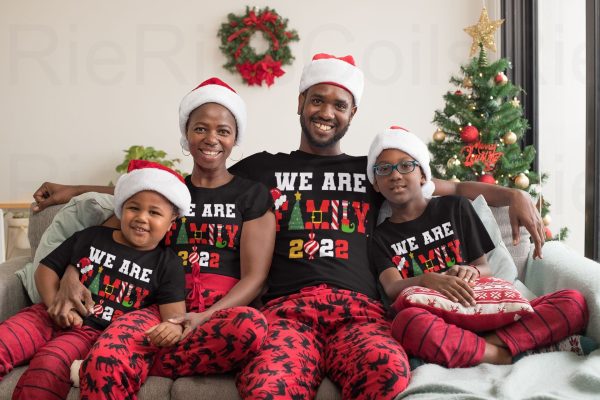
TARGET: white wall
(82,80)
(562,113)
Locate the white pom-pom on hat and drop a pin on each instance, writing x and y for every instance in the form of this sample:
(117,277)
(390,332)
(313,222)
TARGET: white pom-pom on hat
(339,71)
(212,90)
(146,175)
(401,139)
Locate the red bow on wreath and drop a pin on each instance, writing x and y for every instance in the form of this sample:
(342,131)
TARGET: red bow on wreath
(235,36)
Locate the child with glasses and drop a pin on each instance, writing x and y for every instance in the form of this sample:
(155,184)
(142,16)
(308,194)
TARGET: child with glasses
(398,168)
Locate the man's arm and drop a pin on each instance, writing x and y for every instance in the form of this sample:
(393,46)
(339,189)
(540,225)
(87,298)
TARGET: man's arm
(521,211)
(50,194)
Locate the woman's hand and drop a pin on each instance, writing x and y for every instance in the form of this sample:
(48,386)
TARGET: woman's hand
(72,296)
(165,334)
(453,287)
(190,321)
(467,273)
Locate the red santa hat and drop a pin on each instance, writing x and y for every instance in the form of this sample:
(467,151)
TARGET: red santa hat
(339,71)
(146,175)
(401,139)
(212,90)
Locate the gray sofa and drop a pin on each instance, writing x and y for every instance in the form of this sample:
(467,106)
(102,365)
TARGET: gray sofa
(541,276)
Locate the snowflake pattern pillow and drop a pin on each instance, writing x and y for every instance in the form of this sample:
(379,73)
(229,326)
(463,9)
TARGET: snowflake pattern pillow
(498,304)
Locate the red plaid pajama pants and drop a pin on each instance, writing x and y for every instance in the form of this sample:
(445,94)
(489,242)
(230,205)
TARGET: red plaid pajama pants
(31,336)
(556,316)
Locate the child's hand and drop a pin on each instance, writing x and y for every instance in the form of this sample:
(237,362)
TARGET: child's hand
(467,273)
(74,319)
(452,287)
(164,334)
(190,321)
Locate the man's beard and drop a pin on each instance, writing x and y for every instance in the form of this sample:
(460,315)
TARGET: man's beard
(334,139)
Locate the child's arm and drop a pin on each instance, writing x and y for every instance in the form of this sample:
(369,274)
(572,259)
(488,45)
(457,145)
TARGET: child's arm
(47,283)
(167,333)
(454,288)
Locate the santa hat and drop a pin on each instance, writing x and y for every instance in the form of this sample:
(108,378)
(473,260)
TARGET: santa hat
(339,71)
(399,138)
(212,90)
(146,175)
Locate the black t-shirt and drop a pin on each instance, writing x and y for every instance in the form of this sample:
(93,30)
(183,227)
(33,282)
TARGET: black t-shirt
(121,278)
(326,210)
(448,232)
(209,235)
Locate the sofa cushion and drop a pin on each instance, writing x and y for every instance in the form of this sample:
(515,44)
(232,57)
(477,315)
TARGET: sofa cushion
(499,303)
(80,212)
(499,258)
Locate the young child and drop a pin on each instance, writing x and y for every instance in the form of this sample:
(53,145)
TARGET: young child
(124,270)
(398,168)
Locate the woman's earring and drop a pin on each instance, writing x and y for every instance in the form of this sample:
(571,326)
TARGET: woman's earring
(183,152)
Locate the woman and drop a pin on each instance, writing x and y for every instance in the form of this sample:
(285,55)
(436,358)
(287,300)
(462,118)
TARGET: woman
(225,242)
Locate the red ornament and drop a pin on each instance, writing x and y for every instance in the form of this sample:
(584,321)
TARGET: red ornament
(487,178)
(548,233)
(458,93)
(501,78)
(469,134)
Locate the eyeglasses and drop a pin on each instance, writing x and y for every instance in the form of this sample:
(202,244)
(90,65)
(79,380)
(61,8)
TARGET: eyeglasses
(404,167)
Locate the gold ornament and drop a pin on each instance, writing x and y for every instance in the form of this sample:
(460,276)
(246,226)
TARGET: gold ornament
(509,137)
(439,136)
(453,162)
(547,219)
(468,83)
(522,181)
(454,179)
(515,102)
(483,32)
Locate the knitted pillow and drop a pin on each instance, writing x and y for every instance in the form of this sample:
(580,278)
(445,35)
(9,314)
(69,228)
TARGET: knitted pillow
(498,304)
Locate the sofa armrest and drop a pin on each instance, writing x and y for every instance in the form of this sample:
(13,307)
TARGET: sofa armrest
(563,268)
(12,294)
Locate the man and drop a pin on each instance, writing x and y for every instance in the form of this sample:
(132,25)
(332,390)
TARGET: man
(322,300)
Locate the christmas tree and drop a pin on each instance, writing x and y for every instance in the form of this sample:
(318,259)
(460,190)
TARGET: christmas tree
(481,126)
(296,222)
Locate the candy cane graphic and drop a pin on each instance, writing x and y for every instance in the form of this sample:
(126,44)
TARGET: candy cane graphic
(124,286)
(211,234)
(439,257)
(334,214)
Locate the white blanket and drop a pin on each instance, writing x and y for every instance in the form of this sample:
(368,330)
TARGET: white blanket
(561,375)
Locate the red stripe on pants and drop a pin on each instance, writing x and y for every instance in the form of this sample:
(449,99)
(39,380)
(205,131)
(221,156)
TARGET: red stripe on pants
(324,331)
(556,316)
(32,336)
(425,335)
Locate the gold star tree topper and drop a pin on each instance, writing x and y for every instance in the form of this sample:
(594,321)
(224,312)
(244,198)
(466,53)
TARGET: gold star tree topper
(483,32)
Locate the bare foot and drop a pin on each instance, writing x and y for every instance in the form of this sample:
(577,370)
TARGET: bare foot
(495,340)
(496,355)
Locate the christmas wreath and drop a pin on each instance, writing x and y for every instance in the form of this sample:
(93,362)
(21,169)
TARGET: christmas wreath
(255,68)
